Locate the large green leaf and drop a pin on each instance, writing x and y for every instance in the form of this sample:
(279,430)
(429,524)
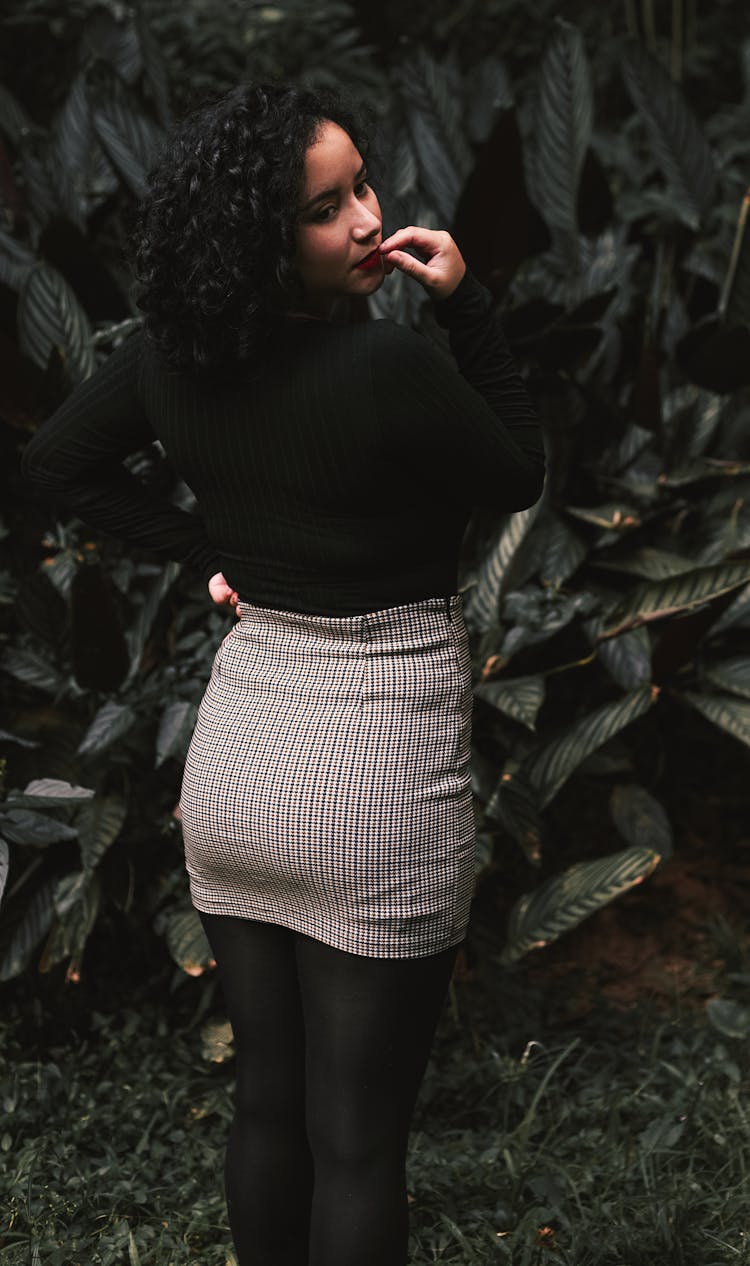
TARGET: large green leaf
(731,674)
(50,316)
(175,727)
(488,92)
(48,793)
(15,123)
(563,552)
(139,633)
(24,826)
(565,900)
(516,697)
(482,601)
(563,122)
(550,765)
(513,805)
(76,899)
(99,823)
(110,723)
(433,113)
(187,942)
(627,658)
(655,564)
(726,711)
(16,261)
(538,614)
(679,145)
(34,923)
(32,669)
(129,139)
(736,615)
(75,151)
(640,818)
(656,599)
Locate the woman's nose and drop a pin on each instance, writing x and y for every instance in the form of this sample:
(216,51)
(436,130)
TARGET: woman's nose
(366,224)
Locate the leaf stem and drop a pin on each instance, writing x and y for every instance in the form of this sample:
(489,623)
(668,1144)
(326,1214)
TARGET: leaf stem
(649,26)
(678,36)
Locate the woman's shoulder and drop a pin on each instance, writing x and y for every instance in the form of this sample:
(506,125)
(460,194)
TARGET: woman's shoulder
(386,335)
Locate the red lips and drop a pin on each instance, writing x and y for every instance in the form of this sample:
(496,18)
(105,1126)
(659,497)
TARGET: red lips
(369,261)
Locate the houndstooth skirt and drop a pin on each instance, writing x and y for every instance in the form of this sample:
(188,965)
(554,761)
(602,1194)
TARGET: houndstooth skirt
(327,785)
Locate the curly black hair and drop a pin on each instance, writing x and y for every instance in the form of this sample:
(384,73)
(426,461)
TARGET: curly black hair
(211,245)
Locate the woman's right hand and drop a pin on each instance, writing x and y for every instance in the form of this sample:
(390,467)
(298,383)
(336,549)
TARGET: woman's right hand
(222,593)
(444,267)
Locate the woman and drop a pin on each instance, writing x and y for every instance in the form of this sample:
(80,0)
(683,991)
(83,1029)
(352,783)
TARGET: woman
(326,802)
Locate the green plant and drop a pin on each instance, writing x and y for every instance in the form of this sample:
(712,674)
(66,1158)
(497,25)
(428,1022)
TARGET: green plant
(615,237)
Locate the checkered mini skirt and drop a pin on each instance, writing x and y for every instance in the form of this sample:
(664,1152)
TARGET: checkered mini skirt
(327,785)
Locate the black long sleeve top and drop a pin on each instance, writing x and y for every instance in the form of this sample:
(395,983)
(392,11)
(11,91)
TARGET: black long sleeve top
(339,481)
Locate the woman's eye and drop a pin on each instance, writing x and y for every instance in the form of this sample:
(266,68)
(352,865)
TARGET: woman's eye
(322,214)
(363,185)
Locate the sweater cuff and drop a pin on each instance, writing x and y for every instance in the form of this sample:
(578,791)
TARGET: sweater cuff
(469,297)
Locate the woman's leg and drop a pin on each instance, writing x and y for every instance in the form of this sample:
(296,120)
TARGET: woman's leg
(268,1171)
(369,1025)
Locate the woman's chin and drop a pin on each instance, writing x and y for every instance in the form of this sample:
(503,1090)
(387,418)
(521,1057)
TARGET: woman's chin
(372,278)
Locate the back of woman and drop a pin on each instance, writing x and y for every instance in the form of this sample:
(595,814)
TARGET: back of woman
(326,799)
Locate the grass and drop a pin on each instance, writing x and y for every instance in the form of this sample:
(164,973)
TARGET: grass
(616,1139)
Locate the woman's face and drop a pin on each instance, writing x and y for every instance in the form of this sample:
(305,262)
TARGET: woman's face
(339,223)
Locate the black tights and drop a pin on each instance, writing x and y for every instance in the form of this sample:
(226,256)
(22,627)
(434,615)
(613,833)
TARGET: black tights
(331,1051)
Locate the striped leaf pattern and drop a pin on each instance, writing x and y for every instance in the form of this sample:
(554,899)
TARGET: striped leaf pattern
(187,942)
(656,599)
(16,261)
(627,658)
(432,109)
(175,727)
(34,923)
(564,552)
(482,601)
(654,564)
(49,315)
(111,721)
(549,766)
(679,146)
(726,711)
(736,615)
(513,805)
(540,917)
(516,697)
(563,124)
(732,674)
(99,824)
(641,820)
(129,139)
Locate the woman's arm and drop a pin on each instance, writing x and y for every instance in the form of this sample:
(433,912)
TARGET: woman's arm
(473,435)
(76,457)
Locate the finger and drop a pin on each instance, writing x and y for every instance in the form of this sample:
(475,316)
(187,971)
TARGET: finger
(427,240)
(412,267)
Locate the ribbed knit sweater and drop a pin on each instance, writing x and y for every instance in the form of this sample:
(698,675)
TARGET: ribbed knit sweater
(339,481)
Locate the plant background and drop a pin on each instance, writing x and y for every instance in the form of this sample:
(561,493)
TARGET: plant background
(592,165)
(586,1099)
